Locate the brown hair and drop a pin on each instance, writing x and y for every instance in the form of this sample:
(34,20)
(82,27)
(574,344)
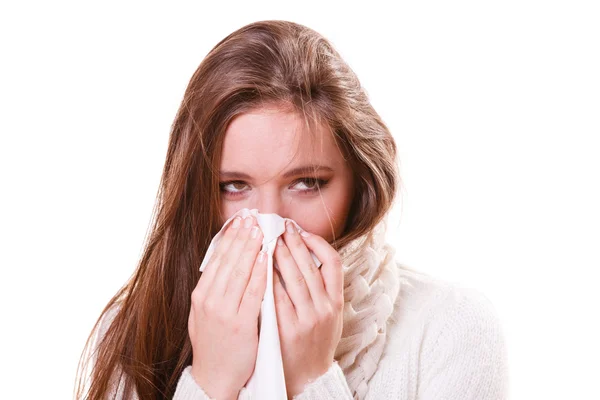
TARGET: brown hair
(275,62)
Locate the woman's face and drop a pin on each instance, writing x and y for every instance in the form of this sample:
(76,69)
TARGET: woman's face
(267,164)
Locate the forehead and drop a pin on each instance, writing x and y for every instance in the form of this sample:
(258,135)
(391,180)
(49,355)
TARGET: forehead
(266,142)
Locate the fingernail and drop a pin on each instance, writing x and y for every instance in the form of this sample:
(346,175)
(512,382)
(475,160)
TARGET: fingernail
(290,228)
(247,222)
(261,256)
(254,232)
(279,241)
(236,223)
(305,234)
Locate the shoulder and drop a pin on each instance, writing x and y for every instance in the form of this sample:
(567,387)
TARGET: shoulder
(451,332)
(441,304)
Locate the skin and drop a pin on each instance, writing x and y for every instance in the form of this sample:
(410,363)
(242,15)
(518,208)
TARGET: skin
(265,145)
(260,150)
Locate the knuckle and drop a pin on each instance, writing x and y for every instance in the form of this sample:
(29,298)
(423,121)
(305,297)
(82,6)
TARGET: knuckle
(242,235)
(197,298)
(295,336)
(327,314)
(240,238)
(253,292)
(311,267)
(282,298)
(310,324)
(299,279)
(249,252)
(239,273)
(216,257)
(224,318)
(336,261)
(210,307)
(231,233)
(338,303)
(222,258)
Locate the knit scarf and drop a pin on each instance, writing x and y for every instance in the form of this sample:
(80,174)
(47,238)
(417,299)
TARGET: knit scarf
(371,286)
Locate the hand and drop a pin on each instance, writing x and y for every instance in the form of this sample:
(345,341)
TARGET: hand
(223,321)
(309,309)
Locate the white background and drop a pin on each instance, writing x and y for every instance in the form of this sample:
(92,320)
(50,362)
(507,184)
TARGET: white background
(495,107)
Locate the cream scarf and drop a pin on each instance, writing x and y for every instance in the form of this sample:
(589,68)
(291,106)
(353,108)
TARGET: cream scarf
(371,286)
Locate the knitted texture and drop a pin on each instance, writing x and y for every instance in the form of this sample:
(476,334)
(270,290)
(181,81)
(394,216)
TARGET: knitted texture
(371,286)
(331,385)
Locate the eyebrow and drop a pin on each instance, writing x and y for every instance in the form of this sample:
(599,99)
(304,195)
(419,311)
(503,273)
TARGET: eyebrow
(302,170)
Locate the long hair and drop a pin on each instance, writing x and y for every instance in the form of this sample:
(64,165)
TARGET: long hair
(267,62)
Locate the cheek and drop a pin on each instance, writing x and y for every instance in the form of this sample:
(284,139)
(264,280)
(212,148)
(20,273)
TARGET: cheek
(319,217)
(227,210)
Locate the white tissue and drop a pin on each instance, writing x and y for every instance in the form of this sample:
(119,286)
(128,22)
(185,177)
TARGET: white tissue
(267,381)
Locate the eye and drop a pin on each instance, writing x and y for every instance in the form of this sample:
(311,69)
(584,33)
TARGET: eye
(310,184)
(233,187)
(302,186)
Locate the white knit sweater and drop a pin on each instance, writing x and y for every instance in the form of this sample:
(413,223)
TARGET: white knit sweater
(444,342)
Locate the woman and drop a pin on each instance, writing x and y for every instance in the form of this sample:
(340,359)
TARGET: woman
(273,119)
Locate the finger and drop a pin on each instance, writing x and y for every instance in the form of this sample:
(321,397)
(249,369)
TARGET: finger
(254,292)
(286,314)
(306,264)
(231,259)
(242,270)
(219,253)
(295,283)
(331,268)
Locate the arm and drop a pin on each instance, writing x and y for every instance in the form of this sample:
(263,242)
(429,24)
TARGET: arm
(463,354)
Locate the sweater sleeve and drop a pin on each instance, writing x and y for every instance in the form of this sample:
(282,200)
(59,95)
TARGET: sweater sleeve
(331,385)
(463,353)
(188,389)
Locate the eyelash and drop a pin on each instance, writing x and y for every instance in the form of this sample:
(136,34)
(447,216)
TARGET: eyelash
(318,183)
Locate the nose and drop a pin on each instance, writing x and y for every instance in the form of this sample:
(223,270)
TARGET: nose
(270,201)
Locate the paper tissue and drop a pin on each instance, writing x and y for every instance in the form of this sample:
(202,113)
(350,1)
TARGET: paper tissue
(267,381)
